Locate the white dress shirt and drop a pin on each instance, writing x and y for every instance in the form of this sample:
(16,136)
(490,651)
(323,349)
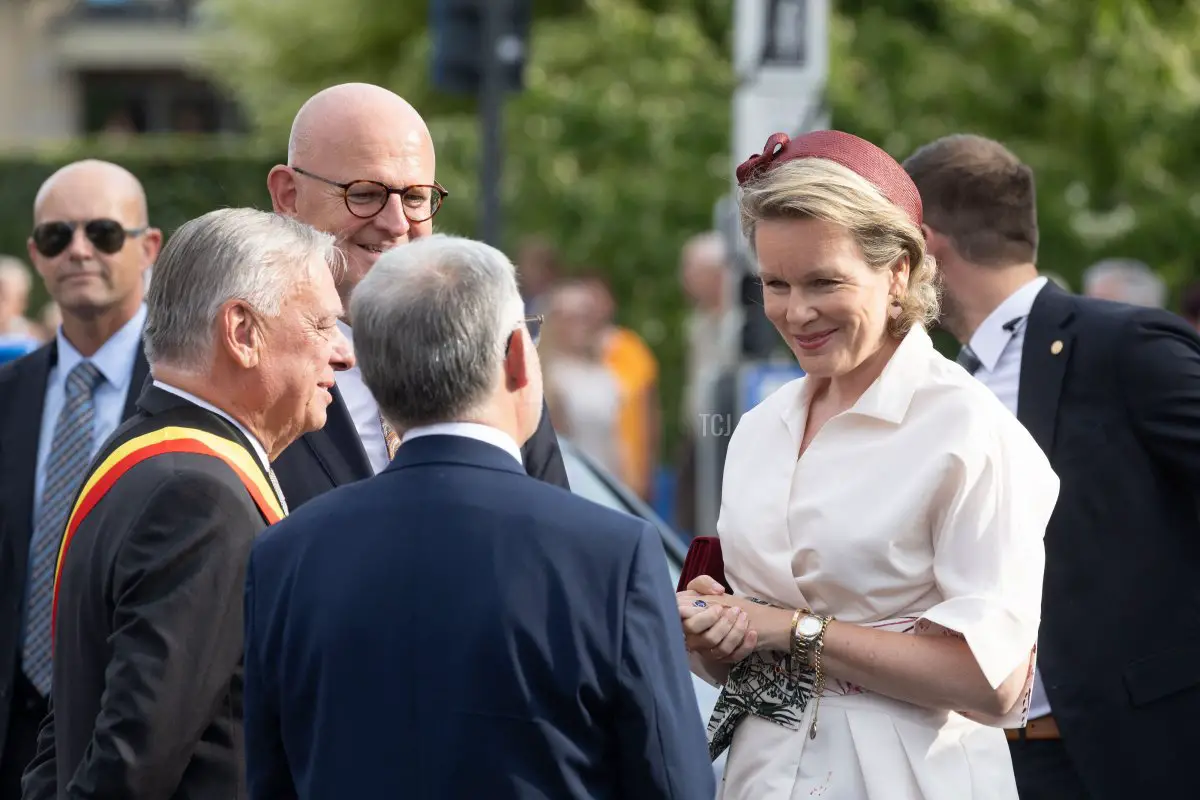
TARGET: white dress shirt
(114,360)
(999,354)
(471,430)
(921,508)
(363,409)
(998,341)
(259,450)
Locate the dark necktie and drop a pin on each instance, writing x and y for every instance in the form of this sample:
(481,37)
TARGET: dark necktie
(70,452)
(968,360)
(966,356)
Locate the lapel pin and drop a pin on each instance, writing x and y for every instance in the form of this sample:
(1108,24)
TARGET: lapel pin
(1057,347)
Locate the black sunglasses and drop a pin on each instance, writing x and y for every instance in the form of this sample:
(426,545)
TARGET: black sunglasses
(107,235)
(365,199)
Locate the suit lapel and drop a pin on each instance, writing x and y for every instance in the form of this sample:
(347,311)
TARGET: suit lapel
(137,382)
(337,446)
(20,445)
(1048,345)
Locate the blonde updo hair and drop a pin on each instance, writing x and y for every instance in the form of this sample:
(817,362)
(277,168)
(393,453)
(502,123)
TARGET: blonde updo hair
(821,189)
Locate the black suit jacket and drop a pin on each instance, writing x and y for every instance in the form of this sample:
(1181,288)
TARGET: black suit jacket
(22,396)
(148,646)
(334,456)
(1111,392)
(451,629)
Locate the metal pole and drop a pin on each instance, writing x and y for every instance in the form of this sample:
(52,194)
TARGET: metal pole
(491,117)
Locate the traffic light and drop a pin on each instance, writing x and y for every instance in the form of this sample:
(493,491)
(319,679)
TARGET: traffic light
(461,31)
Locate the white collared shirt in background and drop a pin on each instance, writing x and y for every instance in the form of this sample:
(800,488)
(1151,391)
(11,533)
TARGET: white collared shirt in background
(999,350)
(114,360)
(999,354)
(363,409)
(471,430)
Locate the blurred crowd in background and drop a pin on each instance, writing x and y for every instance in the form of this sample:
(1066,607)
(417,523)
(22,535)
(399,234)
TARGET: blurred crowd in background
(617,148)
(603,378)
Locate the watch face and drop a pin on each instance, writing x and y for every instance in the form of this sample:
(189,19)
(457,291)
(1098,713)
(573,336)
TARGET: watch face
(809,626)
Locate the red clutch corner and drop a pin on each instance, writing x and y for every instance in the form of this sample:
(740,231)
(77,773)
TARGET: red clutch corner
(703,558)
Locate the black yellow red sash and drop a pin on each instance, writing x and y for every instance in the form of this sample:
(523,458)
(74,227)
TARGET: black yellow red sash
(165,440)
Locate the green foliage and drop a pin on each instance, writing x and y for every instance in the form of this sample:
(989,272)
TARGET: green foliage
(616,150)
(619,146)
(1100,98)
(183,179)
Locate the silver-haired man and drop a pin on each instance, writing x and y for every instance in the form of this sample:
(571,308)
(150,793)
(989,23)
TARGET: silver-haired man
(243,345)
(509,638)
(1125,280)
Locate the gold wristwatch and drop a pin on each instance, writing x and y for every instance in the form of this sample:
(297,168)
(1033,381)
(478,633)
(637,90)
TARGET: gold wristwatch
(807,631)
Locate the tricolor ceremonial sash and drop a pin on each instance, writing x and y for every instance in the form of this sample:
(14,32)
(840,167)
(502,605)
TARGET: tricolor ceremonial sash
(165,440)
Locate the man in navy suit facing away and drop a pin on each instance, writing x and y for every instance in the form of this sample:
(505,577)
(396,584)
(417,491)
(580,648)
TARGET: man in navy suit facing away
(452,627)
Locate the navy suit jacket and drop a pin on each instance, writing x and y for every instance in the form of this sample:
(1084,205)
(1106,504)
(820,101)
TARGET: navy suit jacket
(1112,394)
(453,628)
(334,456)
(22,397)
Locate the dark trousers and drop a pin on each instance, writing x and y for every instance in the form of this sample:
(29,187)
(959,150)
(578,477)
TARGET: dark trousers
(25,716)
(1044,771)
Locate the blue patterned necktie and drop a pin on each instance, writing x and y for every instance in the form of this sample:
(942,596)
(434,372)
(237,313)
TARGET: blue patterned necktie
(70,453)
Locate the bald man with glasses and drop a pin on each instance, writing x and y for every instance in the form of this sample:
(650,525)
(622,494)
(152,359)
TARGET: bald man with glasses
(361,165)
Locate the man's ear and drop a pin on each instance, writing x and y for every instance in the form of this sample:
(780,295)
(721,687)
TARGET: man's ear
(152,241)
(935,239)
(239,333)
(281,184)
(517,360)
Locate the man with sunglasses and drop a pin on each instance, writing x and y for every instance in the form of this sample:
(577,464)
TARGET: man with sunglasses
(91,243)
(361,166)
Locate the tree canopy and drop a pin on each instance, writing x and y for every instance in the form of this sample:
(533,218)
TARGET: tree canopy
(1100,98)
(616,150)
(619,147)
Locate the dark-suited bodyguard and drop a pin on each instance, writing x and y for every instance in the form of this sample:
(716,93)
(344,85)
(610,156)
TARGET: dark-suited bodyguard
(91,243)
(361,166)
(451,627)
(147,613)
(1111,392)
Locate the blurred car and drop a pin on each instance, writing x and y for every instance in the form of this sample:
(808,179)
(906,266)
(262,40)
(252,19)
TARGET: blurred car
(590,480)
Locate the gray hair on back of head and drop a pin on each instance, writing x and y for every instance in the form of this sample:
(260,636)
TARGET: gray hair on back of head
(431,321)
(1140,285)
(258,257)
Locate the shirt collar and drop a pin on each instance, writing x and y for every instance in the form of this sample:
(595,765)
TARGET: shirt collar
(259,450)
(889,397)
(992,335)
(115,357)
(471,430)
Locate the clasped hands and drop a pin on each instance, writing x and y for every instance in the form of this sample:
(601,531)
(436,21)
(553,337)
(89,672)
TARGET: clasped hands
(726,629)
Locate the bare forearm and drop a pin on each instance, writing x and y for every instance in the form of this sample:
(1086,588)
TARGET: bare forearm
(930,671)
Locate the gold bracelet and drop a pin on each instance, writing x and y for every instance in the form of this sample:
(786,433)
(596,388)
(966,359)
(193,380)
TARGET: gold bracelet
(793,642)
(819,678)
